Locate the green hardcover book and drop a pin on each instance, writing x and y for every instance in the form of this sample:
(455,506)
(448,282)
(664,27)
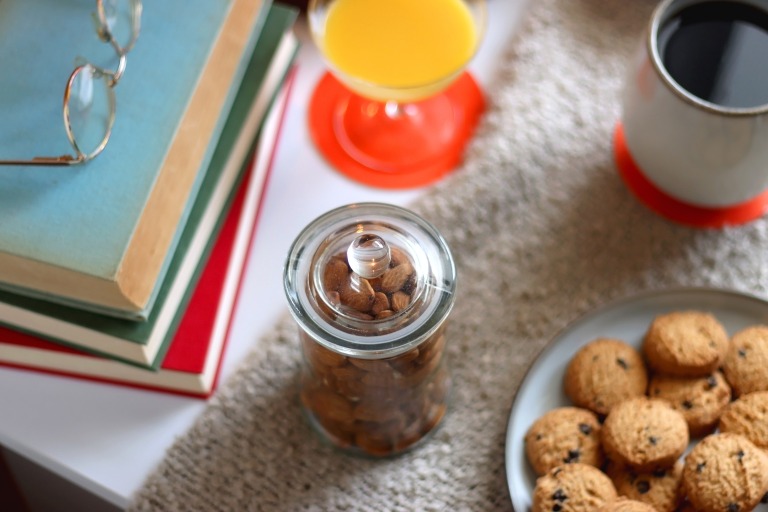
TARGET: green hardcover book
(144,343)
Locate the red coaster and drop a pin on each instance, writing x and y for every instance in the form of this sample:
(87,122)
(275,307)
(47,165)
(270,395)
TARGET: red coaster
(464,103)
(674,209)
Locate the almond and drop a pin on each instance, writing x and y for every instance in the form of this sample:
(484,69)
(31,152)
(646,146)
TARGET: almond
(352,389)
(375,412)
(319,355)
(335,274)
(403,361)
(400,301)
(331,406)
(357,293)
(386,380)
(375,284)
(432,348)
(371,365)
(349,372)
(394,278)
(374,445)
(397,257)
(380,303)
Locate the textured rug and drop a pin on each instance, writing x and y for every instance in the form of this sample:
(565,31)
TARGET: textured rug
(542,230)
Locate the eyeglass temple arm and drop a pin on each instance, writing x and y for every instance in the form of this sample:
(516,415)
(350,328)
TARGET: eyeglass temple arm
(47,161)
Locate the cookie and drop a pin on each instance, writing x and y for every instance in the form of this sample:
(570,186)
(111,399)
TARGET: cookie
(626,505)
(603,373)
(645,434)
(748,416)
(725,472)
(572,488)
(564,436)
(685,344)
(701,400)
(659,488)
(746,364)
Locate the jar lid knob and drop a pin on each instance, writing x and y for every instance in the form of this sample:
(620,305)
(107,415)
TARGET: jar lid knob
(368,256)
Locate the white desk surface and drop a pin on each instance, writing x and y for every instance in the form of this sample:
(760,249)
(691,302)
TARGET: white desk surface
(106,439)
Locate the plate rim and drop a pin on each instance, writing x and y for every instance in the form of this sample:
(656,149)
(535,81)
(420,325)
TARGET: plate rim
(588,315)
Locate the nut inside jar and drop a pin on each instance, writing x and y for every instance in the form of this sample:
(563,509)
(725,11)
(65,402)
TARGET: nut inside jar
(375,406)
(345,293)
(378,406)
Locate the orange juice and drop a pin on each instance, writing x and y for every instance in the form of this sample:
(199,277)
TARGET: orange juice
(402,48)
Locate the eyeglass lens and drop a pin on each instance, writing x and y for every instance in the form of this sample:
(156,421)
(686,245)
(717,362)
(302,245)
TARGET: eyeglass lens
(89,107)
(118,18)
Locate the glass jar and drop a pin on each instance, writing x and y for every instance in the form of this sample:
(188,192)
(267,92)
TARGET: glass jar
(370,286)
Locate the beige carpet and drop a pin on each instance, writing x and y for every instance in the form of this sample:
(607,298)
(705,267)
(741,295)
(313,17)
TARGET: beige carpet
(542,230)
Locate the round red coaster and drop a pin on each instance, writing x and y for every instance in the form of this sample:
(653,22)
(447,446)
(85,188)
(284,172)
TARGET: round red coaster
(465,100)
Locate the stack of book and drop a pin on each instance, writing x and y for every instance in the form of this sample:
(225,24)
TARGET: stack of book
(126,269)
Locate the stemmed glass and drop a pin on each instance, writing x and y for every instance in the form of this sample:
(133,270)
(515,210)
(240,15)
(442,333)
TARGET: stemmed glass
(397,106)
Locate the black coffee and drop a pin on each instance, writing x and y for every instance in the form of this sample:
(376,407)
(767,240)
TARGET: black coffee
(718,51)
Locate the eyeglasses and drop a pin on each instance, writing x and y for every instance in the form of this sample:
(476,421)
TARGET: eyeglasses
(90,86)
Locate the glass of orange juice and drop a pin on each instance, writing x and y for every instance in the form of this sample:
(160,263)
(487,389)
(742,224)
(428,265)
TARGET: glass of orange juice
(397,106)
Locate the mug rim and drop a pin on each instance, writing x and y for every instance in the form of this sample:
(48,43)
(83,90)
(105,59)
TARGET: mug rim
(661,13)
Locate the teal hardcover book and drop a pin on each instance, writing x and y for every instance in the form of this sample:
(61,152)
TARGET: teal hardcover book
(99,235)
(144,343)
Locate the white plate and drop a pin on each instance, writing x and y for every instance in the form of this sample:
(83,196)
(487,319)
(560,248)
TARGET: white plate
(627,320)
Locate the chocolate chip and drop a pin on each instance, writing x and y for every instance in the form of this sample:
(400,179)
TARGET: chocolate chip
(739,455)
(711,382)
(643,486)
(573,456)
(622,363)
(585,429)
(559,495)
(653,440)
(659,473)
(733,507)
(742,352)
(700,467)
(557,507)
(538,437)
(765,498)
(687,405)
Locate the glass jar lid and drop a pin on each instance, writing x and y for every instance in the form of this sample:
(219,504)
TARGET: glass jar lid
(370,280)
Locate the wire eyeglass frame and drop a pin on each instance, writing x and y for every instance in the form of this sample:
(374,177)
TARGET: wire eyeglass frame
(104,33)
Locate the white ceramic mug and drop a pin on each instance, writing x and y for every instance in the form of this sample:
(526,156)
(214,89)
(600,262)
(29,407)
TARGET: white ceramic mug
(702,154)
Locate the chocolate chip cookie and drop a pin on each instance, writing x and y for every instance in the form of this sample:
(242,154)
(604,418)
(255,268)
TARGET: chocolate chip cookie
(659,488)
(645,434)
(603,373)
(725,472)
(685,344)
(746,363)
(572,488)
(701,400)
(564,436)
(748,416)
